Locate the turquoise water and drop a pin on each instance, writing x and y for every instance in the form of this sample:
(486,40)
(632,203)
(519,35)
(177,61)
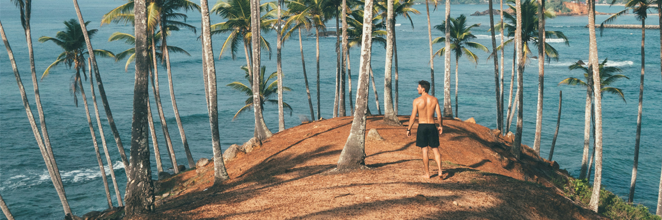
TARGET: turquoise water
(26,187)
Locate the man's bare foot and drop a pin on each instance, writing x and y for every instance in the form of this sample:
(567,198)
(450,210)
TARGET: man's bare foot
(441,176)
(426,176)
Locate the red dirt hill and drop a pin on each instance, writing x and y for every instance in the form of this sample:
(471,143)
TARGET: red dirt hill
(287,178)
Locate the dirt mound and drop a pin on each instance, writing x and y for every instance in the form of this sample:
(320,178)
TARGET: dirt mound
(286,178)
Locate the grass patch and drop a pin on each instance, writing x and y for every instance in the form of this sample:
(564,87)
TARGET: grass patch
(610,205)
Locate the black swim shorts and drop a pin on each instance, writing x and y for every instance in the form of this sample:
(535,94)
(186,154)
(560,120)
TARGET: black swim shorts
(427,135)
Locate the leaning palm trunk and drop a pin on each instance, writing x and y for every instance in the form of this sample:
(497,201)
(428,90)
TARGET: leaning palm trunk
(395,54)
(517,146)
(353,154)
(390,117)
(501,91)
(558,123)
(374,88)
(338,70)
(633,182)
(220,173)
(510,117)
(317,56)
(305,77)
(94,140)
(139,188)
(261,130)
(171,87)
(159,108)
(51,165)
(155,142)
(427,9)
(102,91)
(448,109)
(279,69)
(593,61)
(496,69)
(456,86)
(103,140)
(345,59)
(587,129)
(349,82)
(541,74)
(509,114)
(5,209)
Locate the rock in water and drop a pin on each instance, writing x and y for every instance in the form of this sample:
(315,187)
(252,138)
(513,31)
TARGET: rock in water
(374,135)
(250,145)
(204,161)
(230,153)
(164,175)
(471,120)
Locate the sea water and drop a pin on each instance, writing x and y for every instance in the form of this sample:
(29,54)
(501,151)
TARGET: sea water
(27,189)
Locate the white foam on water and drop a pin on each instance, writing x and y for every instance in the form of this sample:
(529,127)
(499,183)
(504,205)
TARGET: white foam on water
(619,63)
(486,36)
(74,176)
(554,40)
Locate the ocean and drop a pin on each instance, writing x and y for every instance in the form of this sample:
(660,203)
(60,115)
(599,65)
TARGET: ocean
(29,193)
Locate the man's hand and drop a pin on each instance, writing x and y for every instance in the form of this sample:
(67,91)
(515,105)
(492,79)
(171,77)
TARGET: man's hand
(408,133)
(441,129)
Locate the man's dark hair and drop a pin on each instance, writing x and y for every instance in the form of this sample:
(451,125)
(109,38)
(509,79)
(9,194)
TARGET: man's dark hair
(425,85)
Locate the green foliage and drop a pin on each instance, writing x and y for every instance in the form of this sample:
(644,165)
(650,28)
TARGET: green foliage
(267,90)
(610,205)
(556,6)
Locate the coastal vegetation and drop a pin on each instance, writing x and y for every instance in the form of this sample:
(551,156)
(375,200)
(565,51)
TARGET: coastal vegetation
(363,24)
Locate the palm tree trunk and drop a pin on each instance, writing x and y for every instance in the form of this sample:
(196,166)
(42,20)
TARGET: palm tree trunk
(510,117)
(499,117)
(389,114)
(593,61)
(541,74)
(510,113)
(317,56)
(456,86)
(374,88)
(5,209)
(248,59)
(338,68)
(305,77)
(501,90)
(171,87)
(353,154)
(344,61)
(102,91)
(427,9)
(94,139)
(44,144)
(157,100)
(587,129)
(155,142)
(558,123)
(279,69)
(103,140)
(395,54)
(448,109)
(139,189)
(517,146)
(633,182)
(349,82)
(262,132)
(220,173)
(592,159)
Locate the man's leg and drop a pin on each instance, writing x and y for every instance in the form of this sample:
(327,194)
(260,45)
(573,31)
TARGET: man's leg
(425,162)
(437,158)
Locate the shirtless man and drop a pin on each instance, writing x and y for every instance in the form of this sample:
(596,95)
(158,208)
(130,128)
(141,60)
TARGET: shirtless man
(428,133)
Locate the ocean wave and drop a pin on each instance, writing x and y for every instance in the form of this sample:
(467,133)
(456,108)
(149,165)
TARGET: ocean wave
(609,63)
(554,40)
(34,178)
(485,36)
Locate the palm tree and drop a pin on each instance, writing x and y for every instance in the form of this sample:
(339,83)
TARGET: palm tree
(353,154)
(344,59)
(4,207)
(140,190)
(496,68)
(71,40)
(427,10)
(300,18)
(220,173)
(261,130)
(267,90)
(519,41)
(400,8)
(448,109)
(390,116)
(640,10)
(541,75)
(25,8)
(501,89)
(279,68)
(593,62)
(460,36)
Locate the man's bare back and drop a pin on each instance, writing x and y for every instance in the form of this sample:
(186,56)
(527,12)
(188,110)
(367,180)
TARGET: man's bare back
(428,133)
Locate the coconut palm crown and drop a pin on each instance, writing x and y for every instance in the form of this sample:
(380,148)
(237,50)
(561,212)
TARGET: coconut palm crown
(460,39)
(238,24)
(607,77)
(131,52)
(267,90)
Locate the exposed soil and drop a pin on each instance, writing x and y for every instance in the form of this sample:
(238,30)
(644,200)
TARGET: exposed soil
(288,177)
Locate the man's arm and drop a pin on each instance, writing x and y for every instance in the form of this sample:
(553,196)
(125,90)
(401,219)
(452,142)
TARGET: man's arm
(412,118)
(441,120)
